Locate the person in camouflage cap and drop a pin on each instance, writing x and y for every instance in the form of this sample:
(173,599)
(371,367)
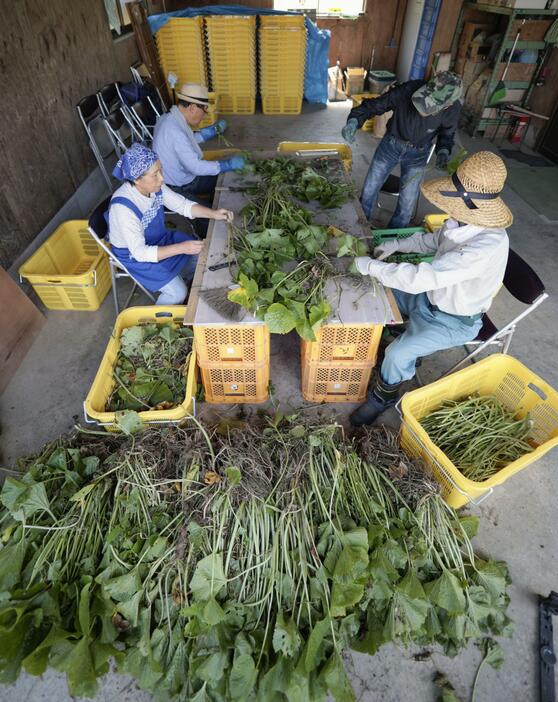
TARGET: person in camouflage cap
(440,92)
(424,112)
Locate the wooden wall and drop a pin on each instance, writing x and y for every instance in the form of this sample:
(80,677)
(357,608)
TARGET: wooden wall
(445,29)
(52,54)
(352,41)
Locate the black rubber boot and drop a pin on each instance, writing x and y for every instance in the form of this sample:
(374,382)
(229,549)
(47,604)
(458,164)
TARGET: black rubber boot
(380,398)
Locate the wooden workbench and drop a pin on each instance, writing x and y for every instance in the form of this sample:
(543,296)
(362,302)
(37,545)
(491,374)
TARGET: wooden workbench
(352,301)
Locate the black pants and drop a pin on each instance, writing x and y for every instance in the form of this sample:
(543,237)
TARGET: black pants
(200,190)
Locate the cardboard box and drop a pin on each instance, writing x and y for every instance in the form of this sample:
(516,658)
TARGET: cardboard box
(532,30)
(516,71)
(354,80)
(469,70)
(468,33)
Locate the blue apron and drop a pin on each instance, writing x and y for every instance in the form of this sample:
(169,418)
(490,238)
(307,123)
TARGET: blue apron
(152,276)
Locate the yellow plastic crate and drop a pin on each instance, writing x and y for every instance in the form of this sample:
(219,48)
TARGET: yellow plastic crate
(318,149)
(368,126)
(238,104)
(69,271)
(281,105)
(433,222)
(235,384)
(324,382)
(282,21)
(181,46)
(220,154)
(234,344)
(515,386)
(103,384)
(344,344)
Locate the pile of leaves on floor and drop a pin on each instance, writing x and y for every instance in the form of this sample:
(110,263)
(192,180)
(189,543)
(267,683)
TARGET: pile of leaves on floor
(232,563)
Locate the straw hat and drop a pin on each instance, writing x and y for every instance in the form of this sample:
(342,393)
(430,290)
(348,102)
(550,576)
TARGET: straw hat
(192,92)
(471,195)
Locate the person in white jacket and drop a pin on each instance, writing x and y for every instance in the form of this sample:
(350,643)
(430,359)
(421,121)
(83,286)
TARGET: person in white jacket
(443,300)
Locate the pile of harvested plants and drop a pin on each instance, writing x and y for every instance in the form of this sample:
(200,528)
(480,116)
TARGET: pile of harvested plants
(282,260)
(479,435)
(232,563)
(149,372)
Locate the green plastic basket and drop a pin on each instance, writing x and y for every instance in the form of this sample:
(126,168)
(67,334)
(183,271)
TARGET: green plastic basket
(381,235)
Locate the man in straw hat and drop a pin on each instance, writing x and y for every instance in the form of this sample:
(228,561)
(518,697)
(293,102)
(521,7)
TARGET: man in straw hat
(444,300)
(423,111)
(178,146)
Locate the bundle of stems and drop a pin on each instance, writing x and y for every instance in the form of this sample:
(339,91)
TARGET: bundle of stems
(478,435)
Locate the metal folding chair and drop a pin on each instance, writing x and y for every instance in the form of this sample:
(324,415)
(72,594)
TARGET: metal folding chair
(144,116)
(157,103)
(521,281)
(98,228)
(100,143)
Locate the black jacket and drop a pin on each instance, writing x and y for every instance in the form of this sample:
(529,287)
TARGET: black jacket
(407,124)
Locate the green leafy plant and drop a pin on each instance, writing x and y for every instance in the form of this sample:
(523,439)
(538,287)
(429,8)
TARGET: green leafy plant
(233,562)
(149,368)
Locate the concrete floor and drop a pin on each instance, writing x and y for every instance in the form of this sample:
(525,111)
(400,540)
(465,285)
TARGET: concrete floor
(519,522)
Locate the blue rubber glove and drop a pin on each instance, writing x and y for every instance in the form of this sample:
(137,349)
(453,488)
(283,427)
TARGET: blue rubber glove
(220,126)
(209,132)
(349,130)
(232,164)
(442,159)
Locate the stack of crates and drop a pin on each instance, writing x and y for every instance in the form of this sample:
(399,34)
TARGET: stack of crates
(233,362)
(282,60)
(337,366)
(181,47)
(231,46)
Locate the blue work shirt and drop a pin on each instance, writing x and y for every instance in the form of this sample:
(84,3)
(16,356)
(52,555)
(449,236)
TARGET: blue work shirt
(180,159)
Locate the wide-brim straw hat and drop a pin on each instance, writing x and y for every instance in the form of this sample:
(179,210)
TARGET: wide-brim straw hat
(193,92)
(471,195)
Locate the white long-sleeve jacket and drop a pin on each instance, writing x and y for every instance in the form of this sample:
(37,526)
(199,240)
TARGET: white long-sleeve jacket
(467,270)
(125,228)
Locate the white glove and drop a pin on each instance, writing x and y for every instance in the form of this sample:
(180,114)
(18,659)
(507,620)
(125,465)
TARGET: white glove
(386,249)
(362,264)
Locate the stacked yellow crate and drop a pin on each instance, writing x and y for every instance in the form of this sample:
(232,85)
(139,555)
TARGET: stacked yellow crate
(231,45)
(181,47)
(233,362)
(337,366)
(282,60)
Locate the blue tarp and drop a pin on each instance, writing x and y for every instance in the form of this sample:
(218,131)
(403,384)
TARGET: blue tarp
(317,48)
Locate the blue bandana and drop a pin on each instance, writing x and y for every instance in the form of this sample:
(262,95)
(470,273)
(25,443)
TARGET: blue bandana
(136,161)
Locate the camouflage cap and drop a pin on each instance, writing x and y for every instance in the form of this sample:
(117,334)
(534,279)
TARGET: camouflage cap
(440,92)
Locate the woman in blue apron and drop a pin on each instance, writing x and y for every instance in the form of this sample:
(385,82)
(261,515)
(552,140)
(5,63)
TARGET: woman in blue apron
(158,258)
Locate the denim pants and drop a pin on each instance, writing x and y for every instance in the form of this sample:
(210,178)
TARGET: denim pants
(389,153)
(428,330)
(175,291)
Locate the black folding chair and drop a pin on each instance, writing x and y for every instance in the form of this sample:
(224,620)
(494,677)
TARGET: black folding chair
(100,143)
(98,228)
(521,281)
(144,117)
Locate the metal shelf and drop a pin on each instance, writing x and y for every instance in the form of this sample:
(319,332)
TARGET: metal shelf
(525,45)
(512,84)
(511,14)
(499,10)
